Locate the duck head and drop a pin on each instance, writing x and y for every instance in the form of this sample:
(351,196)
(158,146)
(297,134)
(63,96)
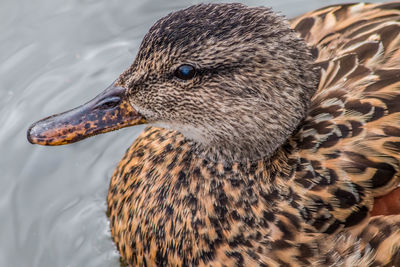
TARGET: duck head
(236,81)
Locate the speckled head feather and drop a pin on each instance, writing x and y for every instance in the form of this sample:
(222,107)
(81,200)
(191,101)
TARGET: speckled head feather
(252,87)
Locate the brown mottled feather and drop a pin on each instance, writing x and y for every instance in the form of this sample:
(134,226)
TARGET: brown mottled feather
(350,141)
(353,126)
(307,205)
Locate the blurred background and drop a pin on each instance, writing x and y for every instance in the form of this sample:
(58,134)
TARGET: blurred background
(55,55)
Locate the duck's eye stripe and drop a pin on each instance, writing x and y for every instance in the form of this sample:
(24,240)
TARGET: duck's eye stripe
(185,72)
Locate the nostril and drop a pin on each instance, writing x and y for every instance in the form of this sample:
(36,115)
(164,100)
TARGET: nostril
(108,103)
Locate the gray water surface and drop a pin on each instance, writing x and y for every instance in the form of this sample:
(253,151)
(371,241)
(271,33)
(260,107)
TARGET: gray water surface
(55,55)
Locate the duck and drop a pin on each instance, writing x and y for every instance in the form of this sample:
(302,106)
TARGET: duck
(270,142)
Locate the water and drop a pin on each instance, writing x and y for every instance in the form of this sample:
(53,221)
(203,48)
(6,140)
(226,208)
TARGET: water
(54,55)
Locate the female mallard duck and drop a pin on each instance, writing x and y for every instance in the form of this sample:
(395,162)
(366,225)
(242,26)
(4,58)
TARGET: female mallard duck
(272,149)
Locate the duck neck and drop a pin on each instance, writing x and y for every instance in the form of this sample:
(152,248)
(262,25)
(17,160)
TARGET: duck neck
(235,154)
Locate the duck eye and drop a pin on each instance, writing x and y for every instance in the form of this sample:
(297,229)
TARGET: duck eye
(185,72)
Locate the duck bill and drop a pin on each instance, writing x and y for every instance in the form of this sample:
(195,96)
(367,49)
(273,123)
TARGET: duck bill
(107,112)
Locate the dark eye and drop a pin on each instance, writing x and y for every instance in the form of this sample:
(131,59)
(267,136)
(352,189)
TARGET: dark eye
(185,72)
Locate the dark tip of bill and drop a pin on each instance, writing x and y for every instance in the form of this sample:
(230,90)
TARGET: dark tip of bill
(29,133)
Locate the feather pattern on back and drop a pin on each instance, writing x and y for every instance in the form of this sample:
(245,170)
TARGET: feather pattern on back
(349,143)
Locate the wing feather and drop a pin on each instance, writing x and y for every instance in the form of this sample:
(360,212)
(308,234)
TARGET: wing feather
(349,144)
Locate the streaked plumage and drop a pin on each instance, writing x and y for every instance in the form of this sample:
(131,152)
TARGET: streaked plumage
(308,203)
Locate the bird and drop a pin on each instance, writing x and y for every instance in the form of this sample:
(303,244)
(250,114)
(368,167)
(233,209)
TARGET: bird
(270,142)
